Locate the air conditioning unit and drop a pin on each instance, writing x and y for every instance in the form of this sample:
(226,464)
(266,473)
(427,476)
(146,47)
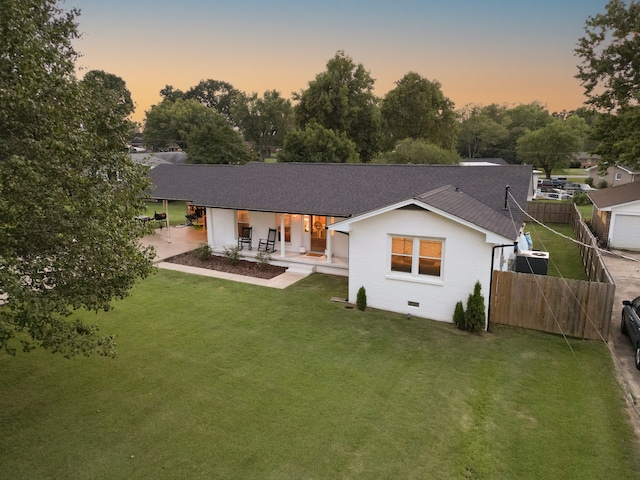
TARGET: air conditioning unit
(532,261)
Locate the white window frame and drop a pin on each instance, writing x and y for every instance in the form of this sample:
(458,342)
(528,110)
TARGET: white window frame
(617,176)
(414,275)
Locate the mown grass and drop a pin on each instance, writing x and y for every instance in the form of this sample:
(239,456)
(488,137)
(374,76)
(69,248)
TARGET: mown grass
(177,211)
(216,379)
(564,255)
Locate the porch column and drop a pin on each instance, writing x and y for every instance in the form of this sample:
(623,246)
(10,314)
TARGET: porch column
(282,252)
(165,209)
(329,243)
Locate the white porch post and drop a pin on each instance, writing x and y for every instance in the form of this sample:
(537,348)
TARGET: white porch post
(209,226)
(165,208)
(282,252)
(329,243)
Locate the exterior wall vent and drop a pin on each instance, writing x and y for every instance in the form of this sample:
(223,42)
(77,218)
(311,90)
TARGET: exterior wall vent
(413,304)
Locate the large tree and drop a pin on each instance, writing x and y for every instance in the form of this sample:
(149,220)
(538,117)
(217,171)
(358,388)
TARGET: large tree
(610,74)
(264,121)
(215,94)
(317,144)
(417,108)
(69,193)
(554,145)
(202,132)
(479,132)
(117,104)
(341,99)
(418,152)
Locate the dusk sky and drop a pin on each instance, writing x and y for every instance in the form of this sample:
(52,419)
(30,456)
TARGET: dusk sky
(492,51)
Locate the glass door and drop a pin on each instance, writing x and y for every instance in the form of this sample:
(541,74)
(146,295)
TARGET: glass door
(318,234)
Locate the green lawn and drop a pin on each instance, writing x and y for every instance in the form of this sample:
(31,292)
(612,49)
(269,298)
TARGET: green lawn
(216,379)
(177,211)
(564,256)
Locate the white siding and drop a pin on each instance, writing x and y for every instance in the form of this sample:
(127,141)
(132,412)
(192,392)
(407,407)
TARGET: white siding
(222,227)
(624,231)
(466,259)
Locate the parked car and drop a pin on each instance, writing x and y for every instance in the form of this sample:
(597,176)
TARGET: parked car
(559,182)
(630,325)
(571,187)
(557,196)
(546,185)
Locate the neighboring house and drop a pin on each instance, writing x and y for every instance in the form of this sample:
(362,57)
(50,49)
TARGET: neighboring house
(483,161)
(158,158)
(616,216)
(416,237)
(587,160)
(614,176)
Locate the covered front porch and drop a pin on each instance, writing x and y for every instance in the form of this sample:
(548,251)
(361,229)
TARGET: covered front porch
(298,262)
(300,242)
(180,239)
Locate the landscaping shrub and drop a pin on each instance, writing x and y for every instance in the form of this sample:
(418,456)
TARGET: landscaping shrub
(458,316)
(603,184)
(580,199)
(203,252)
(474,317)
(361,299)
(589,181)
(264,259)
(232,254)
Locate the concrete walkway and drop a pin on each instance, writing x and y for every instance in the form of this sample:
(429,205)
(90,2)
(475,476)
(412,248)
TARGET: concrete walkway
(184,239)
(624,267)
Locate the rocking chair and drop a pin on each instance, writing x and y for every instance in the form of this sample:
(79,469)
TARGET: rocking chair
(269,244)
(245,238)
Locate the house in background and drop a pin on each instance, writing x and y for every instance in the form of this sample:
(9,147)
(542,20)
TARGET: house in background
(416,237)
(587,160)
(614,176)
(616,216)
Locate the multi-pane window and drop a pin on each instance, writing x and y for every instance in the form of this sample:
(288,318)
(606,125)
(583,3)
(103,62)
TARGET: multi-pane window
(417,256)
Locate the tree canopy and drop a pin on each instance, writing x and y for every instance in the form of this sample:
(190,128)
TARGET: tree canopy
(215,94)
(479,132)
(554,145)
(69,192)
(493,130)
(202,132)
(610,74)
(418,152)
(341,99)
(417,108)
(318,144)
(264,121)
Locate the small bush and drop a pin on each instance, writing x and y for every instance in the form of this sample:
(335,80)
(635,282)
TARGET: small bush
(589,181)
(232,254)
(361,299)
(458,316)
(603,184)
(264,259)
(580,199)
(203,252)
(474,318)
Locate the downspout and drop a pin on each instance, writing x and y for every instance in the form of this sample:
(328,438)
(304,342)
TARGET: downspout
(493,252)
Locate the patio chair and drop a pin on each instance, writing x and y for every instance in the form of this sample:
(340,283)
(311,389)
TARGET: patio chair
(245,238)
(268,244)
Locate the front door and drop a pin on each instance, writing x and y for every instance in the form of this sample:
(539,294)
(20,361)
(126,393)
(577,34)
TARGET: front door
(318,234)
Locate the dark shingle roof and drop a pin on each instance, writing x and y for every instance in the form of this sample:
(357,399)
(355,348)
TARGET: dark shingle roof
(341,190)
(608,197)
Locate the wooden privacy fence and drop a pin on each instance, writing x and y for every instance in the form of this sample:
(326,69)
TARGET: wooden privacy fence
(570,307)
